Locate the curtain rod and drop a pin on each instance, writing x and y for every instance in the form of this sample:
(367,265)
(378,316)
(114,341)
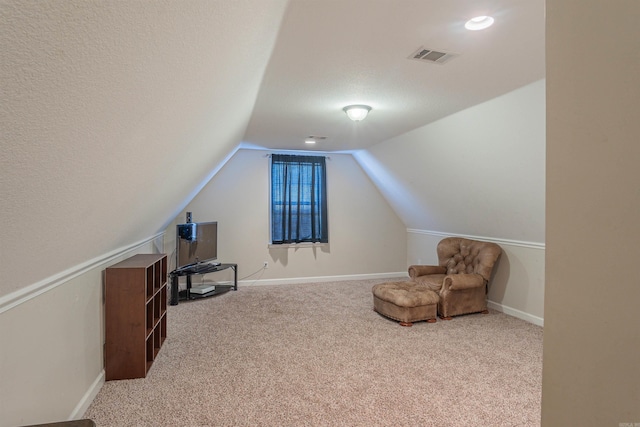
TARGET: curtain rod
(315,155)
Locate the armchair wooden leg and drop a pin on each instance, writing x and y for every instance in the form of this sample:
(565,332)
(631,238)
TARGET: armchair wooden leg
(408,324)
(431,320)
(446,317)
(485,312)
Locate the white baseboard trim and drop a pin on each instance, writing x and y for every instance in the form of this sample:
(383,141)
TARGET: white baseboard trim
(92,392)
(16,298)
(516,313)
(316,279)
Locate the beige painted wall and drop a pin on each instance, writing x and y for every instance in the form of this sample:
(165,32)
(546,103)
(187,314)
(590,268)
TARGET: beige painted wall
(591,362)
(365,234)
(51,357)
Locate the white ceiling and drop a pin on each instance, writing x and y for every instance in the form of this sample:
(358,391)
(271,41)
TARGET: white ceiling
(333,53)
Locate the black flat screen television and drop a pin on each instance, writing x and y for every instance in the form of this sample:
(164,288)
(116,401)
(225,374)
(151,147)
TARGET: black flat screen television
(196,242)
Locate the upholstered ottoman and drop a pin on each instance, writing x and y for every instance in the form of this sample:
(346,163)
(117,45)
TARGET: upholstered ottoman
(406,302)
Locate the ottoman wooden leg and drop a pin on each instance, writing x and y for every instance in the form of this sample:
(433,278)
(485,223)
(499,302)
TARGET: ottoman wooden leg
(408,324)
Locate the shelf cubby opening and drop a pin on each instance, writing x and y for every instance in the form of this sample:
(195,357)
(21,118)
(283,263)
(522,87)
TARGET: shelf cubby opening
(163,270)
(150,351)
(163,329)
(163,300)
(157,275)
(149,284)
(157,342)
(156,309)
(150,320)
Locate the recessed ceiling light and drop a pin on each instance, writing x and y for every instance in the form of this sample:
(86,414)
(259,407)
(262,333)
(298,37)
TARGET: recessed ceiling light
(479,23)
(312,139)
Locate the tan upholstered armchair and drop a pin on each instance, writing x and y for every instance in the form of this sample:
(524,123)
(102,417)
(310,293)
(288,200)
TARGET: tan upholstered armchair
(462,276)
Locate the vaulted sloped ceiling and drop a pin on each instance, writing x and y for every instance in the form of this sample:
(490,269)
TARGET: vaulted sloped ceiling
(112,112)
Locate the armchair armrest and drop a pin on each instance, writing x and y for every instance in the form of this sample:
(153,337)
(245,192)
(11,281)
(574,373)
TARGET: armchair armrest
(423,270)
(459,282)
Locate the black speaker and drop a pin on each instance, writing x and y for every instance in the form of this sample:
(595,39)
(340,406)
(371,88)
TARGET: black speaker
(187,232)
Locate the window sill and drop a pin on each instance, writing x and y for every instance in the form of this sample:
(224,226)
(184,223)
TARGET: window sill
(297,245)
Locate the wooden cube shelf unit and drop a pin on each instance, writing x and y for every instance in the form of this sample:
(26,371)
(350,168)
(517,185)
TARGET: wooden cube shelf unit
(135,315)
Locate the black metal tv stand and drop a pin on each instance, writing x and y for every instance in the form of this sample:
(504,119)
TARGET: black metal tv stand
(200,269)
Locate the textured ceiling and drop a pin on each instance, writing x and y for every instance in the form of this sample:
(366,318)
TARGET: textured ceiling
(113,113)
(334,53)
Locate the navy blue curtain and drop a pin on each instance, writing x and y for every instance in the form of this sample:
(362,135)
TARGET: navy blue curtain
(298,199)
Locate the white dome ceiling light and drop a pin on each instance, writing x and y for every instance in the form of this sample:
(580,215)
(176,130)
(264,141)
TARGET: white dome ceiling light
(357,112)
(479,23)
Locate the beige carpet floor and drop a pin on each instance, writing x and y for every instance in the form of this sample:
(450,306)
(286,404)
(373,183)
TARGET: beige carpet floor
(318,355)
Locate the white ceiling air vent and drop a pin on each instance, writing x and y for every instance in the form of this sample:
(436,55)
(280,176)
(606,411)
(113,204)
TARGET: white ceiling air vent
(432,56)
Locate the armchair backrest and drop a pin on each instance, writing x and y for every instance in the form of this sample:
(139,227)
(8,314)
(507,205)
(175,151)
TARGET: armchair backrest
(459,255)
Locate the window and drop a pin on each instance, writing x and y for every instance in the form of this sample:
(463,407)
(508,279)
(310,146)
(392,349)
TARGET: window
(298,199)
